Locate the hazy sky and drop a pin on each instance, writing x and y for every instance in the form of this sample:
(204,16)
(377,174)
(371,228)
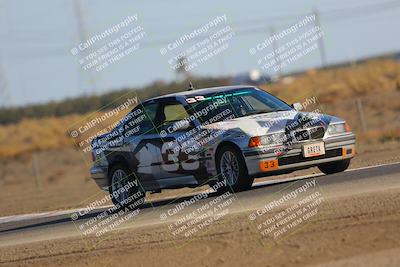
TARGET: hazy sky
(37,37)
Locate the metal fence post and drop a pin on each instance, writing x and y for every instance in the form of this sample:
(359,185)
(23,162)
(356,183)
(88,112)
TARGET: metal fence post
(35,170)
(360,111)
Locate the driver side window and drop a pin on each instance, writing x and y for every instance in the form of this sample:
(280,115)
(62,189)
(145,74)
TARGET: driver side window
(174,114)
(142,120)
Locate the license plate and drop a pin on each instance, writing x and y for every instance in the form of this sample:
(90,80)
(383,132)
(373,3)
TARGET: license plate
(314,149)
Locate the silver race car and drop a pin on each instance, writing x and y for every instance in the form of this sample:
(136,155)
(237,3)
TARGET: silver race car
(224,137)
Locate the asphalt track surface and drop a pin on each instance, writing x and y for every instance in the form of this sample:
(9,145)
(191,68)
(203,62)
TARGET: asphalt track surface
(22,229)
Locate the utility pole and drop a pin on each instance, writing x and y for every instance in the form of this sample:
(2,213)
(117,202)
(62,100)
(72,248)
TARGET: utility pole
(82,38)
(274,49)
(321,43)
(182,68)
(4,96)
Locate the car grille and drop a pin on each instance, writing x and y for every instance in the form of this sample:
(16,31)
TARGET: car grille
(317,132)
(301,135)
(308,134)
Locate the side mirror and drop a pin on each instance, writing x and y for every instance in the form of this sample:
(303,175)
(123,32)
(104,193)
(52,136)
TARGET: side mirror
(297,106)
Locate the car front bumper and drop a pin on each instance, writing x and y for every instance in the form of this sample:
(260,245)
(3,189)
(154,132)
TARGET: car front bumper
(99,175)
(336,148)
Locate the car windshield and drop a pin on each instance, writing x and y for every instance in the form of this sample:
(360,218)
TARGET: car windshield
(234,104)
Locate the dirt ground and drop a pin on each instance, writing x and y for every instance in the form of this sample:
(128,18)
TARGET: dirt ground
(355,230)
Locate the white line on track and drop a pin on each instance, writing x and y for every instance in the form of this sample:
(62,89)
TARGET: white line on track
(49,214)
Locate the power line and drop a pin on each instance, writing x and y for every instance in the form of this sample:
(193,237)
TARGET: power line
(331,15)
(375,7)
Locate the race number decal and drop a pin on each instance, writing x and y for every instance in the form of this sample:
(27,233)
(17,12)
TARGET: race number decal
(191,100)
(170,156)
(175,159)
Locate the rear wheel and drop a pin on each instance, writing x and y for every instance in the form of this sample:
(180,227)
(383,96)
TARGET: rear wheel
(232,170)
(124,188)
(334,167)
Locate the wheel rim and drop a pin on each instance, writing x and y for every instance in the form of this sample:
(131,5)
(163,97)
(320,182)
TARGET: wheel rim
(119,180)
(229,167)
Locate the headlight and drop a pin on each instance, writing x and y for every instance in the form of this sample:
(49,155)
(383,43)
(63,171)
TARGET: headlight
(338,128)
(267,140)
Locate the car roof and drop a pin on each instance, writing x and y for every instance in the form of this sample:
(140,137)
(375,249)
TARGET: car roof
(203,91)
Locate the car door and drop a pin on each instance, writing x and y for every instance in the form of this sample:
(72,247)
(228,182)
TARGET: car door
(179,150)
(142,142)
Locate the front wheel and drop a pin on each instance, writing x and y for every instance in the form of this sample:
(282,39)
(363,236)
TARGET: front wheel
(334,167)
(124,188)
(232,170)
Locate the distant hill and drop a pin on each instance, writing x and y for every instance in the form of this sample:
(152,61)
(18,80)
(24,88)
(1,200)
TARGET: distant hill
(87,103)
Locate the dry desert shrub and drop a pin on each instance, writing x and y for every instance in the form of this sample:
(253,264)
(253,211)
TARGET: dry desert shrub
(332,85)
(376,82)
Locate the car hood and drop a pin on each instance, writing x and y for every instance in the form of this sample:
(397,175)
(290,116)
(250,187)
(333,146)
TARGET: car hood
(261,124)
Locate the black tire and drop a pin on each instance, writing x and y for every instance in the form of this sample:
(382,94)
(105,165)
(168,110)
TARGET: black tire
(134,196)
(243,181)
(334,167)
